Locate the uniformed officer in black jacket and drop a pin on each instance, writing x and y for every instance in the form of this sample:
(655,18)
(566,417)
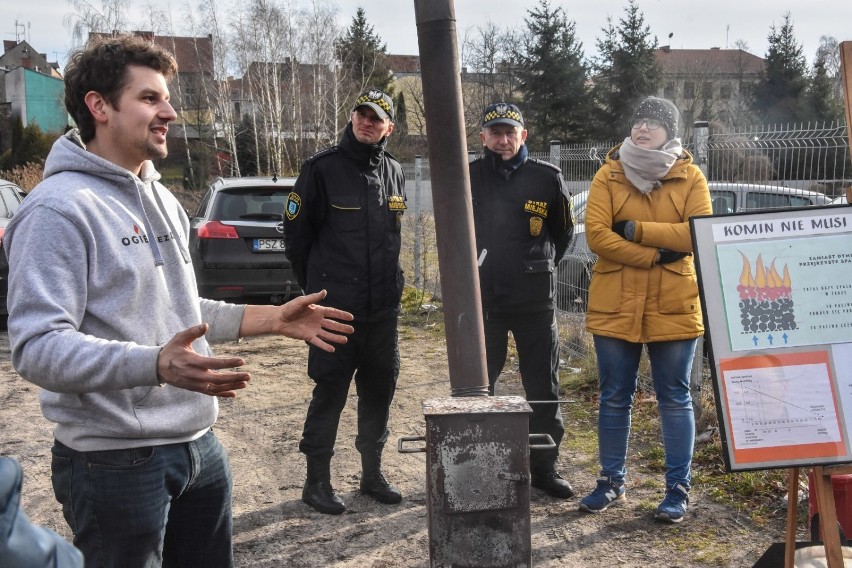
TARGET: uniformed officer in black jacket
(523,222)
(342,234)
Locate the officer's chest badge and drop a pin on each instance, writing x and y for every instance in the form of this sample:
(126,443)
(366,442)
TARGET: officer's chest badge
(396,203)
(535,226)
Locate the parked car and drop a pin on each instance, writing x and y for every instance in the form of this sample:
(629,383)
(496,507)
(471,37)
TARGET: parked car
(575,270)
(237,241)
(728,197)
(10,198)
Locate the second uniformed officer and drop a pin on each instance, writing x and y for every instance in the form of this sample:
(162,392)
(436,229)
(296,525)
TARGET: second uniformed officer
(523,222)
(342,234)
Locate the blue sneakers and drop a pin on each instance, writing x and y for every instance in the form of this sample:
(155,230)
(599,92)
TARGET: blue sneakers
(673,507)
(605,495)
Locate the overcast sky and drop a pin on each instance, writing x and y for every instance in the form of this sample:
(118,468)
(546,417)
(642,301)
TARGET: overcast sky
(695,25)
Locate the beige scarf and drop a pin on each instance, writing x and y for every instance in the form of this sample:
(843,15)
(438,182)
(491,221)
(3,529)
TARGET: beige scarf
(645,168)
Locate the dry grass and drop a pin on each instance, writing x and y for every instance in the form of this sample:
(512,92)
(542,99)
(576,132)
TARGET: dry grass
(26,177)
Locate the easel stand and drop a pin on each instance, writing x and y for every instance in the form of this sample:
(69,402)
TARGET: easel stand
(822,474)
(827,513)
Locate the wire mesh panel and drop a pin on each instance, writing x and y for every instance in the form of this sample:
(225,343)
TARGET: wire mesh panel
(803,156)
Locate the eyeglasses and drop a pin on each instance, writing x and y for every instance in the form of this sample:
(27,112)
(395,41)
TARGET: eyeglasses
(650,123)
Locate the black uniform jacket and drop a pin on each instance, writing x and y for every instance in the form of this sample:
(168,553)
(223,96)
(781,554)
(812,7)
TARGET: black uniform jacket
(342,228)
(523,219)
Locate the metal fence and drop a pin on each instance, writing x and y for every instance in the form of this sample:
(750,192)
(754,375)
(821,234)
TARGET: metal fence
(808,157)
(811,157)
(804,156)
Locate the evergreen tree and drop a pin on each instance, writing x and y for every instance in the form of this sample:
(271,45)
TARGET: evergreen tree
(362,56)
(400,127)
(779,94)
(29,144)
(823,102)
(247,157)
(552,78)
(625,72)
(825,90)
(400,143)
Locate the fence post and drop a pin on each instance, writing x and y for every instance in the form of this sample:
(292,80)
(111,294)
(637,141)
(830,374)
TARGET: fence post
(701,135)
(555,153)
(418,222)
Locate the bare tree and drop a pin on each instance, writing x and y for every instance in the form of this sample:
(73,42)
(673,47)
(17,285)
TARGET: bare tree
(488,71)
(317,79)
(263,38)
(221,93)
(86,18)
(155,20)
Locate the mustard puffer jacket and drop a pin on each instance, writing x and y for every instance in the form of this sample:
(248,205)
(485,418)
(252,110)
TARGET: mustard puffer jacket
(630,297)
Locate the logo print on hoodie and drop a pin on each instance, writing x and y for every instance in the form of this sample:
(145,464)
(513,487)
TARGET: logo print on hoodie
(140,238)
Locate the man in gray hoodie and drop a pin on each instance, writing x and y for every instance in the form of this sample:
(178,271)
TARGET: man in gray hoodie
(104,316)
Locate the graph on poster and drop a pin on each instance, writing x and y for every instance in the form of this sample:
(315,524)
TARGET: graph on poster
(769,407)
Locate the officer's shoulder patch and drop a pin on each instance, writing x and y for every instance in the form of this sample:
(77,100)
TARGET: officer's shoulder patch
(322,153)
(294,205)
(545,163)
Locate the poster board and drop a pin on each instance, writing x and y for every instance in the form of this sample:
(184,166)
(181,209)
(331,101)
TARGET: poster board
(776,291)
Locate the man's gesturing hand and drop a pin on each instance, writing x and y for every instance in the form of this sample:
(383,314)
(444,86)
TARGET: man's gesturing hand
(303,318)
(180,366)
(300,318)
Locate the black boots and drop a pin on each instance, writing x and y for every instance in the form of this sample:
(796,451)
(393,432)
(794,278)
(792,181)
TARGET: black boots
(318,492)
(373,483)
(552,483)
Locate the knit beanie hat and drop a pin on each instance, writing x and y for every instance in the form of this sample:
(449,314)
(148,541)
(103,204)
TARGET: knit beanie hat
(661,109)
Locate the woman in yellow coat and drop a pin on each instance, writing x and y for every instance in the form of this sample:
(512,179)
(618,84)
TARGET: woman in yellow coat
(644,292)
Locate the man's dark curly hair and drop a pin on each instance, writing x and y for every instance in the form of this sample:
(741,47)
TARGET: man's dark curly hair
(102,67)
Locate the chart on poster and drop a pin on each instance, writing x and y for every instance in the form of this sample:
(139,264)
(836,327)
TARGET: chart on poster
(776,290)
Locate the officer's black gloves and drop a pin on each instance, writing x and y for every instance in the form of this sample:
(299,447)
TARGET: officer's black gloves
(625,229)
(667,256)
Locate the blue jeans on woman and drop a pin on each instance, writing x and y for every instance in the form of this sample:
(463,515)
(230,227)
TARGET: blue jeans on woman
(618,367)
(148,507)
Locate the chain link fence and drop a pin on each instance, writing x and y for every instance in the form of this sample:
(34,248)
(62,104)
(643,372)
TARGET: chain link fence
(811,157)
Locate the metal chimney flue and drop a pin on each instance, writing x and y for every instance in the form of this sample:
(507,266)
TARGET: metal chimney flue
(477,446)
(447,143)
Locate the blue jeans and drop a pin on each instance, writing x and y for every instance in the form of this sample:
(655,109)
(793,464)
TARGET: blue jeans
(148,507)
(618,368)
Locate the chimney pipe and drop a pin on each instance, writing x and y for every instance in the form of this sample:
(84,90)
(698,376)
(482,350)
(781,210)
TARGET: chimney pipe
(447,143)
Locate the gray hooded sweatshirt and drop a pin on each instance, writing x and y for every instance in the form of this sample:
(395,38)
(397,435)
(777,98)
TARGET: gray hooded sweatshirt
(99,279)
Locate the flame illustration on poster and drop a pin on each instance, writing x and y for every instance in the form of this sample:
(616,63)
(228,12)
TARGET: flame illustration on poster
(766,298)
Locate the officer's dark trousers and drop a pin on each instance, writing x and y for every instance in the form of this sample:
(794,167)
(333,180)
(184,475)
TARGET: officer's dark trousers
(372,356)
(537,340)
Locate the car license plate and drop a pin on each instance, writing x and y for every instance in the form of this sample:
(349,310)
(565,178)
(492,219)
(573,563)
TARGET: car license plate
(268,245)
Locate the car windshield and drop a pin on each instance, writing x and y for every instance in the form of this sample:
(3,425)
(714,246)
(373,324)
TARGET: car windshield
(251,204)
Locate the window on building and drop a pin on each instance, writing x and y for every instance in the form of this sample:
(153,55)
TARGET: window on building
(707,90)
(689,90)
(725,91)
(669,91)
